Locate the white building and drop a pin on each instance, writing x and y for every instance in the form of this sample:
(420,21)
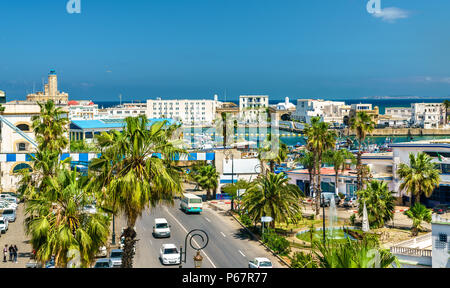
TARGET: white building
(440,234)
(253,107)
(329,111)
(123,111)
(427,115)
(82,110)
(285,106)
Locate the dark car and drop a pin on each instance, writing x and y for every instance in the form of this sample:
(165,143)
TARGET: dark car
(326,199)
(440,209)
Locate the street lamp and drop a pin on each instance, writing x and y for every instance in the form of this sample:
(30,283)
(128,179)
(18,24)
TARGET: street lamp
(204,240)
(198,260)
(323,216)
(227,154)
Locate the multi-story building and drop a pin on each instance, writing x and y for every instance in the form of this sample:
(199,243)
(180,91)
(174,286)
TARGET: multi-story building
(2,97)
(50,91)
(427,115)
(123,111)
(17,140)
(187,111)
(82,110)
(329,111)
(355,108)
(253,107)
(395,117)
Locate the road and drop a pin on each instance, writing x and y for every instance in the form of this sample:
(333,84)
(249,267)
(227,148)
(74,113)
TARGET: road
(229,245)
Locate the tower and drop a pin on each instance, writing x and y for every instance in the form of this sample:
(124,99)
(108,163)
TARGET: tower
(52,84)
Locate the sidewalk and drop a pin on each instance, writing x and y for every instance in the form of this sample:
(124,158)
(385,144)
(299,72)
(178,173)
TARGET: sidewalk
(16,236)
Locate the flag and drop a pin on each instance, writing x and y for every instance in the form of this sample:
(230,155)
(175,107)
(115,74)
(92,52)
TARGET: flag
(441,158)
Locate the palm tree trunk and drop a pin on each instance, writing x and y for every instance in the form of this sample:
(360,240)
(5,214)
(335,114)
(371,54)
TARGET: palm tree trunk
(359,172)
(129,244)
(319,188)
(272,166)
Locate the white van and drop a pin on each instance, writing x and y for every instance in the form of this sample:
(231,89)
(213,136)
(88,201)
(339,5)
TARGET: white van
(161,228)
(191,203)
(9,214)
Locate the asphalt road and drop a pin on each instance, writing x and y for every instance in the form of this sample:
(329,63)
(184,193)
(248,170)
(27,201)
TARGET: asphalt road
(229,245)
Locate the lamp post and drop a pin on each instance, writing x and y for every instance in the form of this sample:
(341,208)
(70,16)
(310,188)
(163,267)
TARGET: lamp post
(323,216)
(227,154)
(198,258)
(113,241)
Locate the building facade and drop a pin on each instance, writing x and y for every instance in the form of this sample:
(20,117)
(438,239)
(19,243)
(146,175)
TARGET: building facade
(253,107)
(329,111)
(187,111)
(82,110)
(427,115)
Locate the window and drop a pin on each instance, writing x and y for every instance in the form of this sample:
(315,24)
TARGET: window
(22,147)
(24,127)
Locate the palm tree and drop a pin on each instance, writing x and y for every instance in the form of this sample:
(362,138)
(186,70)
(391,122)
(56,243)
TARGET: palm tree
(133,176)
(418,214)
(272,195)
(58,225)
(420,177)
(50,127)
(338,159)
(320,139)
(446,106)
(353,254)
(308,162)
(207,178)
(362,124)
(380,203)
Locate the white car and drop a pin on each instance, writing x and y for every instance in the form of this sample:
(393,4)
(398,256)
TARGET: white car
(4,204)
(3,225)
(9,214)
(161,228)
(169,254)
(89,209)
(260,262)
(116,257)
(102,252)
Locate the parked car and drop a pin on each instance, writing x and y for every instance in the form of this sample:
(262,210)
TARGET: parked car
(116,257)
(4,204)
(102,252)
(350,202)
(161,228)
(3,225)
(103,263)
(9,214)
(260,262)
(89,209)
(169,254)
(441,209)
(327,196)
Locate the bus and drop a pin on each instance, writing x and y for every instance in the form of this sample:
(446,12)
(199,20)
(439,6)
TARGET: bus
(191,203)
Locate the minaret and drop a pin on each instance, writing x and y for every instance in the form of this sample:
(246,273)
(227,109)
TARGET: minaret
(52,84)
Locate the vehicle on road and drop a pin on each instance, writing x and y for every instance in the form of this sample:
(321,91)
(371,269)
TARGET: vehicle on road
(191,203)
(89,209)
(260,262)
(103,263)
(161,228)
(4,204)
(3,225)
(327,196)
(116,257)
(350,202)
(169,254)
(9,214)
(102,252)
(441,209)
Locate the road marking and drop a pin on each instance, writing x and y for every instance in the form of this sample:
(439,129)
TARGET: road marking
(223,234)
(241,253)
(185,230)
(151,243)
(208,219)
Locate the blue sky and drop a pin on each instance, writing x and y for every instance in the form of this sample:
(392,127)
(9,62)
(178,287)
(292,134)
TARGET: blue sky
(193,49)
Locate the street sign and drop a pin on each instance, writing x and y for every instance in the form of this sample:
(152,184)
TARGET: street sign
(266,219)
(240,192)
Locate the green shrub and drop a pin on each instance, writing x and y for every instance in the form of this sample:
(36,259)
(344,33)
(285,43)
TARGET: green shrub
(353,219)
(277,243)
(246,220)
(303,260)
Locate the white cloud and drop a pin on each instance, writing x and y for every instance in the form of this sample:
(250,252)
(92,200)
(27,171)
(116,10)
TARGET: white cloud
(390,14)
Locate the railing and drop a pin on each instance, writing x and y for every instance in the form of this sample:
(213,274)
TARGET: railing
(426,237)
(26,137)
(411,251)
